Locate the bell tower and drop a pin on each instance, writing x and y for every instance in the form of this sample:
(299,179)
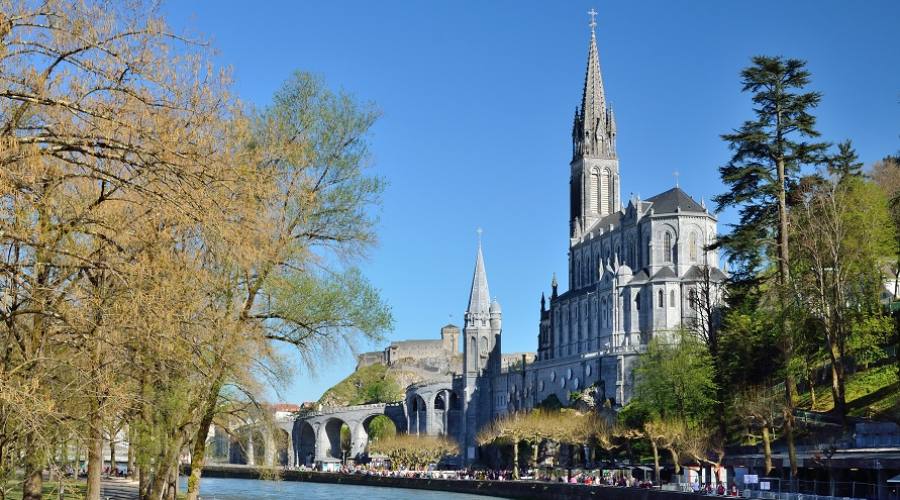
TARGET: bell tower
(481,356)
(594,180)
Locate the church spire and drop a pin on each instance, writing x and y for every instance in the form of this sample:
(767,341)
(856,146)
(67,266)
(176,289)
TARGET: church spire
(480,296)
(594,129)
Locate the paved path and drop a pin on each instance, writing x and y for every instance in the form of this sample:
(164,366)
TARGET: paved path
(118,489)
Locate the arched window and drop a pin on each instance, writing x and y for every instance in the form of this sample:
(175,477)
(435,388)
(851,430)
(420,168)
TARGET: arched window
(605,198)
(695,247)
(660,299)
(672,298)
(667,247)
(637,300)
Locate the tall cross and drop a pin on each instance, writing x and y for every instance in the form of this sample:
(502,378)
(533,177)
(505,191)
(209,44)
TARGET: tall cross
(593,23)
(479,231)
(676,174)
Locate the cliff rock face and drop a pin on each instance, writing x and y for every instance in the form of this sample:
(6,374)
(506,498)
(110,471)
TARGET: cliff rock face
(380,383)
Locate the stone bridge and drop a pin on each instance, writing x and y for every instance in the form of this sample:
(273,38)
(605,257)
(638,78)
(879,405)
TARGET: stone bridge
(316,436)
(263,444)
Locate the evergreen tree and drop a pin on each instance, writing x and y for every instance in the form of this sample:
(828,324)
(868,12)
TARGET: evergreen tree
(845,163)
(769,153)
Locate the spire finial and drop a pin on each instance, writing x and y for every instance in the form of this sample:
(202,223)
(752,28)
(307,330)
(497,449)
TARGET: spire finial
(593,23)
(676,174)
(479,231)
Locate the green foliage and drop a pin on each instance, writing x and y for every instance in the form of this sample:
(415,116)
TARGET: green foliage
(407,451)
(345,437)
(776,136)
(381,427)
(370,384)
(317,311)
(675,379)
(748,352)
(845,163)
(551,402)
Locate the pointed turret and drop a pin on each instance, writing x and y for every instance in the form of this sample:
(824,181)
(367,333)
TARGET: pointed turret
(593,99)
(594,181)
(594,130)
(480,296)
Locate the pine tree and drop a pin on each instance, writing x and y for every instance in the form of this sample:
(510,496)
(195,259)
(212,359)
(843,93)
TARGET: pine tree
(845,163)
(769,153)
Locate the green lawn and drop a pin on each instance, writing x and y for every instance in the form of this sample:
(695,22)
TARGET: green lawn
(73,491)
(873,393)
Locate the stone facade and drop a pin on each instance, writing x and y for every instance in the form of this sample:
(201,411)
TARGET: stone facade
(634,273)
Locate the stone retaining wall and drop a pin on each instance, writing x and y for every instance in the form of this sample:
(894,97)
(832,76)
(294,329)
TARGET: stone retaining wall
(505,489)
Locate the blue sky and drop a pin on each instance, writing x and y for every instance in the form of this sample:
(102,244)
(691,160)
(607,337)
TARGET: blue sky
(477,100)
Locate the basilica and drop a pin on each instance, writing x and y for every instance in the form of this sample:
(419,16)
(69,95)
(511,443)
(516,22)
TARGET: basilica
(634,274)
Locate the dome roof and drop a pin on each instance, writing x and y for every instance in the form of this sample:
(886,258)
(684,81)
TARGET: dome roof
(624,270)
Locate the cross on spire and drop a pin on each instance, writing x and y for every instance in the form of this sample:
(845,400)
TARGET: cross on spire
(676,174)
(593,23)
(479,231)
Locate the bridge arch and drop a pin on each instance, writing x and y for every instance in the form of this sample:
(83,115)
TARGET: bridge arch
(317,435)
(331,432)
(305,439)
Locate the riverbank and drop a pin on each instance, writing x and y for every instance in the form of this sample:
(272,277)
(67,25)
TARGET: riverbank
(507,489)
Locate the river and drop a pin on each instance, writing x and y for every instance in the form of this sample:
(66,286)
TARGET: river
(242,489)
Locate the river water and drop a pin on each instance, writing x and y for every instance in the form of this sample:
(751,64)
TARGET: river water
(213,488)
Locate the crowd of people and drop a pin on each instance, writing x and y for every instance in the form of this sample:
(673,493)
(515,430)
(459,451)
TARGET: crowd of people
(617,478)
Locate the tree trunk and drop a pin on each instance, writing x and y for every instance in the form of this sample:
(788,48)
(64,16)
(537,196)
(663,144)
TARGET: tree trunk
(655,460)
(130,470)
(198,453)
(113,466)
(33,482)
(812,388)
(675,460)
(784,275)
(172,493)
(95,454)
(837,381)
(166,461)
(515,469)
(767,448)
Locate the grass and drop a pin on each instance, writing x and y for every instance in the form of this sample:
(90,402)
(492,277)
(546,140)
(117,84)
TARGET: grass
(73,491)
(874,393)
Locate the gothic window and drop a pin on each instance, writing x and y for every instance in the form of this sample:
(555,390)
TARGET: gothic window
(695,246)
(667,247)
(692,298)
(605,201)
(672,298)
(595,192)
(660,299)
(637,301)
(484,346)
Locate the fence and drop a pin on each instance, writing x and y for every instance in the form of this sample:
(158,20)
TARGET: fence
(783,489)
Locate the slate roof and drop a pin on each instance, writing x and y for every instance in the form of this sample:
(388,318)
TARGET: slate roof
(614,218)
(669,202)
(640,277)
(665,273)
(695,273)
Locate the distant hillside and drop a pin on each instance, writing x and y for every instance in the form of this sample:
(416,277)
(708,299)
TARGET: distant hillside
(371,384)
(873,393)
(381,384)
